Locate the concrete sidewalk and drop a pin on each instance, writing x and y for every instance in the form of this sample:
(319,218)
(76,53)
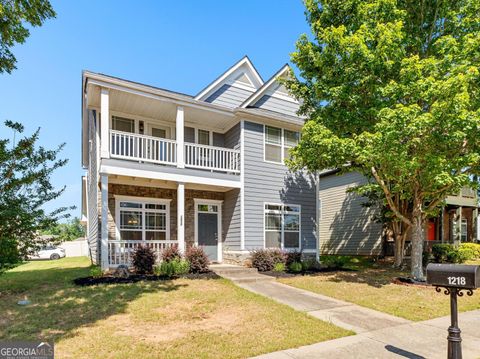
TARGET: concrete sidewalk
(414,340)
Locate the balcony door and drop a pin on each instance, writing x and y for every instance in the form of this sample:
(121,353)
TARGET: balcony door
(157,150)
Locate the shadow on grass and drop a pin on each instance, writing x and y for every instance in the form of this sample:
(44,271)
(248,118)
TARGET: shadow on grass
(58,307)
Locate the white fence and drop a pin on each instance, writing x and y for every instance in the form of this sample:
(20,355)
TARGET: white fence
(121,252)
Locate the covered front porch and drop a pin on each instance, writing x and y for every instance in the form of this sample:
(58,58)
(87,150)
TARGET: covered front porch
(159,214)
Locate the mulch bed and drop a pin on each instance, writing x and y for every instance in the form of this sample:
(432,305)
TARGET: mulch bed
(309,272)
(409,282)
(134,278)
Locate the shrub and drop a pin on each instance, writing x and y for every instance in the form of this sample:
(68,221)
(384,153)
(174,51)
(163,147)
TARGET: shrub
(440,251)
(295,267)
(165,269)
(472,250)
(143,260)
(426,258)
(278,256)
(96,271)
(198,260)
(294,256)
(262,260)
(180,266)
(171,253)
(334,261)
(279,267)
(308,264)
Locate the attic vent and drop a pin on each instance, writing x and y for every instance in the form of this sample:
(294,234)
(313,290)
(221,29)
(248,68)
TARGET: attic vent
(244,80)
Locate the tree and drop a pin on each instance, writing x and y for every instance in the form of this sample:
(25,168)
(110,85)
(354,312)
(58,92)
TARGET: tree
(68,231)
(14,15)
(25,186)
(391,88)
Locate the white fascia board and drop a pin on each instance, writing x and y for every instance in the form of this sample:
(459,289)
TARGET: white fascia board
(214,84)
(255,96)
(108,169)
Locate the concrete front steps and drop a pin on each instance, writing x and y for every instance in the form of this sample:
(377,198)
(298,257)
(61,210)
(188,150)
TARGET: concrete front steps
(239,274)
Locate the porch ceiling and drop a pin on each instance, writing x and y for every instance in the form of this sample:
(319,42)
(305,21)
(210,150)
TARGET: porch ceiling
(155,109)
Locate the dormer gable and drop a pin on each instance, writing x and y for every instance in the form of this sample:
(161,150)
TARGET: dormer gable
(273,96)
(234,86)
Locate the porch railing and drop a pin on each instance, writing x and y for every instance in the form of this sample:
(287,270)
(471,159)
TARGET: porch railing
(212,158)
(121,252)
(138,147)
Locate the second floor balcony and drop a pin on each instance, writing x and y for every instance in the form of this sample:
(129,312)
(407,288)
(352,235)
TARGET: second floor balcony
(162,151)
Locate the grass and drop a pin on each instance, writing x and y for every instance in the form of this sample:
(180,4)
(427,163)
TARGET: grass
(371,286)
(207,318)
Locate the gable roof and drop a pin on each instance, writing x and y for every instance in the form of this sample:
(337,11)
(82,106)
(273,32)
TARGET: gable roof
(250,78)
(271,83)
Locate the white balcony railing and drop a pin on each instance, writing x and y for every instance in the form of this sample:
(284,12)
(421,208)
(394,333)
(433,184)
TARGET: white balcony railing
(121,252)
(133,146)
(212,158)
(142,148)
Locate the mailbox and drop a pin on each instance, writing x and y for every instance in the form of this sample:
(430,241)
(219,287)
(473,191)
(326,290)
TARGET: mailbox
(453,275)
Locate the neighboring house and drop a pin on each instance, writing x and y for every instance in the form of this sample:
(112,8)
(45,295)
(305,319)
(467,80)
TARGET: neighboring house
(347,227)
(165,168)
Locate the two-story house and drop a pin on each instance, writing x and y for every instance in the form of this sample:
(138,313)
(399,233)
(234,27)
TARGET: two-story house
(165,168)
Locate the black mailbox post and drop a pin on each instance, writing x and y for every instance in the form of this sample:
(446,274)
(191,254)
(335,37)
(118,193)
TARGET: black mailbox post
(454,278)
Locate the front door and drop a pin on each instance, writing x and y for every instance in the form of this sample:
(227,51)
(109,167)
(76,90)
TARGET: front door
(208,229)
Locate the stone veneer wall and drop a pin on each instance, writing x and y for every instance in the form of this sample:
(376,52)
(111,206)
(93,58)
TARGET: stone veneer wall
(164,193)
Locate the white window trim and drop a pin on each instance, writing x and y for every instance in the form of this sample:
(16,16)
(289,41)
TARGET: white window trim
(282,246)
(143,201)
(282,144)
(219,204)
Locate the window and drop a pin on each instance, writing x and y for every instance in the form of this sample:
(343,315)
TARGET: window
(278,143)
(464,231)
(123,124)
(143,221)
(203,137)
(282,226)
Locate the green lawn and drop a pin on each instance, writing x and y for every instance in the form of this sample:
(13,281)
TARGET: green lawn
(371,286)
(207,318)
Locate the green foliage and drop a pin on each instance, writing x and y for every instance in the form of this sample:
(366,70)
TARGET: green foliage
(198,259)
(333,261)
(181,266)
(295,267)
(68,231)
(165,269)
(448,253)
(391,89)
(308,264)
(96,272)
(471,251)
(293,256)
(279,267)
(143,260)
(25,171)
(14,15)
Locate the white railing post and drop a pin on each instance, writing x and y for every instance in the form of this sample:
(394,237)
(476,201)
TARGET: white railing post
(104,229)
(181,216)
(104,123)
(180,137)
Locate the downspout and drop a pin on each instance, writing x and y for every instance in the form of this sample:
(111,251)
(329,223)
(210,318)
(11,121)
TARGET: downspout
(318,209)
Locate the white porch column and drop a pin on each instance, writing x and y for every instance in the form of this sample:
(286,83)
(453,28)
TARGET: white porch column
(180,123)
(181,216)
(105,123)
(104,232)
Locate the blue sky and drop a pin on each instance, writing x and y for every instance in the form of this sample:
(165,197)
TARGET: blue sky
(178,45)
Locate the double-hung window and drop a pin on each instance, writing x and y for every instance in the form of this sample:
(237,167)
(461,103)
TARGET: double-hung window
(282,226)
(278,143)
(140,220)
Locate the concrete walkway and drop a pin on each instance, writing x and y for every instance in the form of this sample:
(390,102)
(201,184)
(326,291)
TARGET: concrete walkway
(379,335)
(414,340)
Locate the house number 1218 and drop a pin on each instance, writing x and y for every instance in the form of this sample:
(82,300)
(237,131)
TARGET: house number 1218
(456,280)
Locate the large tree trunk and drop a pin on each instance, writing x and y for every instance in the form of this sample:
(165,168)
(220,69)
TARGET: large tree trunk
(399,249)
(417,245)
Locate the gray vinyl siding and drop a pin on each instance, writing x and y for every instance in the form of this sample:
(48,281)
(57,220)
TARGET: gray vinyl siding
(229,96)
(232,137)
(189,134)
(274,104)
(266,182)
(231,220)
(218,139)
(346,227)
